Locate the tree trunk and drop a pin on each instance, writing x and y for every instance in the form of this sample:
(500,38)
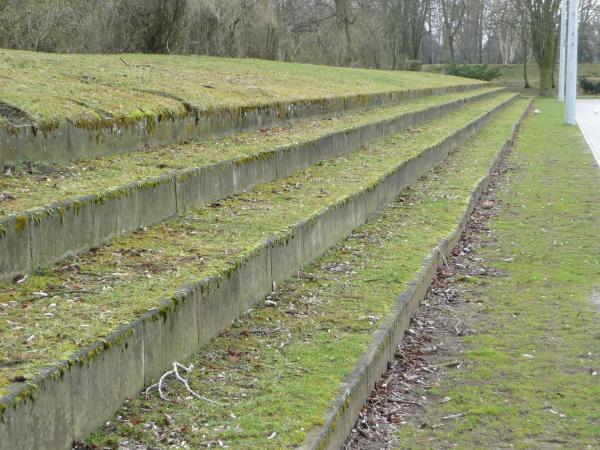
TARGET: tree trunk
(543,16)
(343,34)
(230,41)
(448,55)
(526,84)
(545,77)
(554,59)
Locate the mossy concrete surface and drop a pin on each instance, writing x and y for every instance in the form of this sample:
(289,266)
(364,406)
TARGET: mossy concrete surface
(87,89)
(529,377)
(69,107)
(157,184)
(277,370)
(232,247)
(34,185)
(121,280)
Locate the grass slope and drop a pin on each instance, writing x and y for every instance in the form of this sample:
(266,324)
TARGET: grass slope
(528,380)
(33,185)
(279,368)
(86,89)
(76,302)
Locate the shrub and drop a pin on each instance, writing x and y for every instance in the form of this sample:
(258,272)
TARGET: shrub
(414,65)
(589,86)
(479,72)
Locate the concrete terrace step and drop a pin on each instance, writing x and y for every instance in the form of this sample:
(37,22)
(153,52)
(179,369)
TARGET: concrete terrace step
(70,107)
(104,314)
(329,334)
(66,209)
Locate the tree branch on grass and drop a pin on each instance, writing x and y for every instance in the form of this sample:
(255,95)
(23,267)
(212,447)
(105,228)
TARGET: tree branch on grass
(175,372)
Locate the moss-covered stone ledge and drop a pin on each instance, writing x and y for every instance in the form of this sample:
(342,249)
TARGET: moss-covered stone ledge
(121,280)
(38,237)
(76,401)
(357,386)
(68,141)
(276,370)
(32,185)
(88,90)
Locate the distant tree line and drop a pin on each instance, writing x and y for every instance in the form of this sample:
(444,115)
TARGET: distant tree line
(366,33)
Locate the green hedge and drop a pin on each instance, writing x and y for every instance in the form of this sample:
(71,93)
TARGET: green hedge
(478,72)
(589,86)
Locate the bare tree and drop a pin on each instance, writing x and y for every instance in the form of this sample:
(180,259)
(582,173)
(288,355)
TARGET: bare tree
(505,29)
(370,33)
(344,20)
(589,30)
(453,13)
(156,23)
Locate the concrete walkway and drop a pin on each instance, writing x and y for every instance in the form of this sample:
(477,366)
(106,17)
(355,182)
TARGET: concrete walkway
(588,119)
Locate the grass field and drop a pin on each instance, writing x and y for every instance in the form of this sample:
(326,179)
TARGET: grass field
(528,377)
(86,89)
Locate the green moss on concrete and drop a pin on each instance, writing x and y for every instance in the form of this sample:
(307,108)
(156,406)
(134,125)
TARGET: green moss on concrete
(278,369)
(38,185)
(546,242)
(91,90)
(26,393)
(21,223)
(76,302)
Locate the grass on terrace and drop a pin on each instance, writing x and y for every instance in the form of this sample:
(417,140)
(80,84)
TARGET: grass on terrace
(279,368)
(33,185)
(86,89)
(133,273)
(528,379)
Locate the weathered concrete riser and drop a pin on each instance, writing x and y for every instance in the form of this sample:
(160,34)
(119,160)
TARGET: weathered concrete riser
(68,142)
(357,387)
(43,236)
(71,403)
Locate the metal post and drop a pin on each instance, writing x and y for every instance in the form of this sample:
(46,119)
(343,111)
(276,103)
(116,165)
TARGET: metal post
(571,85)
(563,50)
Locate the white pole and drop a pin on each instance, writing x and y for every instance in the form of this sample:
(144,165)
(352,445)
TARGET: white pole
(571,86)
(563,51)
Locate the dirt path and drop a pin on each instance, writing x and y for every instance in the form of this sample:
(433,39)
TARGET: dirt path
(505,350)
(432,344)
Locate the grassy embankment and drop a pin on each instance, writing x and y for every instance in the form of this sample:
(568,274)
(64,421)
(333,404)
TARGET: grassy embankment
(91,89)
(278,368)
(529,379)
(34,185)
(75,303)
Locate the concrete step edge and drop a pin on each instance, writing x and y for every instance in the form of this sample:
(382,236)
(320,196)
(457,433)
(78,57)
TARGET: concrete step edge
(41,236)
(355,390)
(73,398)
(67,142)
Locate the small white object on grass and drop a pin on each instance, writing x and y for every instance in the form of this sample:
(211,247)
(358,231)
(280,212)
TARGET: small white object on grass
(175,372)
(536,112)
